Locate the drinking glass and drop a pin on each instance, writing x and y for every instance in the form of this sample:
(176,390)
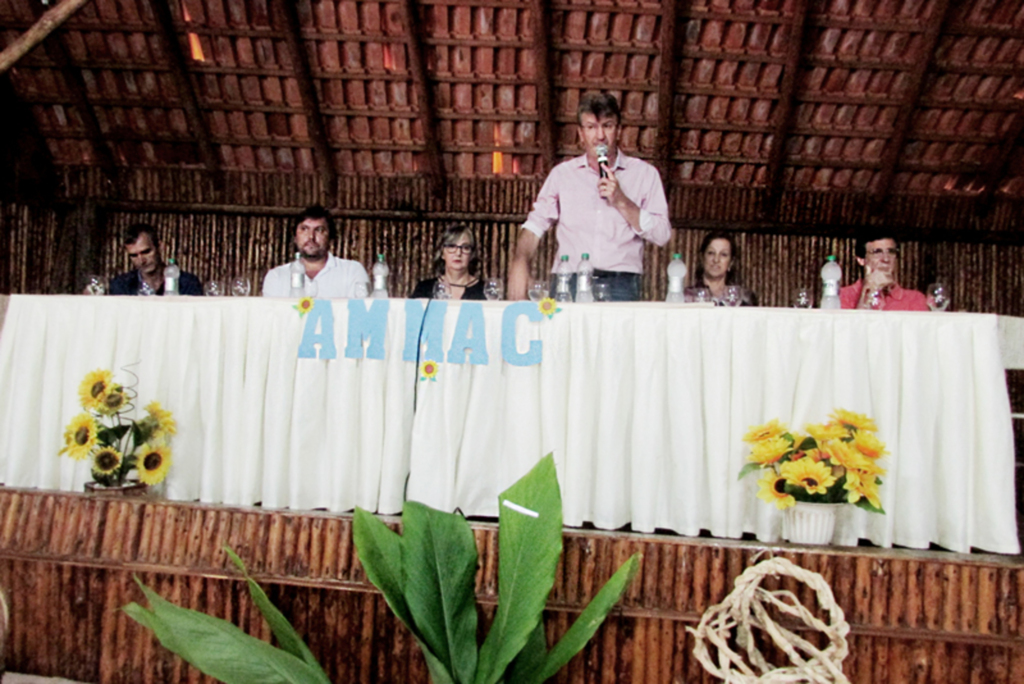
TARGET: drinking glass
(441,290)
(361,290)
(601,291)
(145,290)
(240,286)
(494,289)
(937,297)
(733,295)
(213,288)
(701,295)
(538,290)
(872,301)
(802,298)
(95,285)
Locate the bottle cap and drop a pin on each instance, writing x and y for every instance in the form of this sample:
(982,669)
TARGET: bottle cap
(586,255)
(830,257)
(677,256)
(170,261)
(565,257)
(380,257)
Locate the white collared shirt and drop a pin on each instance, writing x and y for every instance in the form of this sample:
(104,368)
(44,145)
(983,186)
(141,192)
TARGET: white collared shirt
(337,279)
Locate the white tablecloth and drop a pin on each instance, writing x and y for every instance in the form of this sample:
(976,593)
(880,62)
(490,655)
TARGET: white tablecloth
(643,405)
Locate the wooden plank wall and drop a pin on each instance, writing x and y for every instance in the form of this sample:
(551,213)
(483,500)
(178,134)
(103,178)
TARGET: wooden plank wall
(67,562)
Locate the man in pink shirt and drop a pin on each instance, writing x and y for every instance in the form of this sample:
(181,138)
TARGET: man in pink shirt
(604,208)
(878,289)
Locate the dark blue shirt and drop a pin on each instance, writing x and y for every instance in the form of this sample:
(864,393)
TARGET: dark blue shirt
(130,282)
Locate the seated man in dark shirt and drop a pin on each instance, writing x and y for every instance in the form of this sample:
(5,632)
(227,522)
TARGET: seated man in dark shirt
(143,246)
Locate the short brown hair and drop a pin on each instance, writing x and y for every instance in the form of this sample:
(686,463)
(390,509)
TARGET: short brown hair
(601,105)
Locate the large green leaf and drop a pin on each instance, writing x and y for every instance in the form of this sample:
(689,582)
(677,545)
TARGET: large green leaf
(439,559)
(529,544)
(287,637)
(587,623)
(380,551)
(218,648)
(529,661)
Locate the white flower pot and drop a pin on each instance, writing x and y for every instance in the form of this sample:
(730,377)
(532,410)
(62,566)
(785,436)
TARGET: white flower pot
(810,523)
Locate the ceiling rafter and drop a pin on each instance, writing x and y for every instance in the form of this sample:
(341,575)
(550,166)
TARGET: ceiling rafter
(415,41)
(996,171)
(186,91)
(785,109)
(287,20)
(545,85)
(667,83)
(45,24)
(77,92)
(915,88)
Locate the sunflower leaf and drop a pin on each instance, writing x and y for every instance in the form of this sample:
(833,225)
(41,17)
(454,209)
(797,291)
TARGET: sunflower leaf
(748,468)
(287,637)
(808,444)
(218,648)
(863,502)
(111,436)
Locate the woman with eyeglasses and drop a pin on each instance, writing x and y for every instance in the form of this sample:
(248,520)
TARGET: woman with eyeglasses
(457,266)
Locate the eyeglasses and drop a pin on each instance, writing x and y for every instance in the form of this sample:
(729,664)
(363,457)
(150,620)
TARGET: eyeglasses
(465,249)
(892,251)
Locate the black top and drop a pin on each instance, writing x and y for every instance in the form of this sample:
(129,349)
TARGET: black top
(425,290)
(129,283)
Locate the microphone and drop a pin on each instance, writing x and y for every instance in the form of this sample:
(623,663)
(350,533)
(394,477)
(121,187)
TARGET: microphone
(602,159)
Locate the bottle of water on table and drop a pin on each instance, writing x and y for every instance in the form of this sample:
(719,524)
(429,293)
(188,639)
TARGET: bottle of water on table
(676,278)
(171,276)
(831,274)
(297,276)
(584,280)
(380,278)
(563,277)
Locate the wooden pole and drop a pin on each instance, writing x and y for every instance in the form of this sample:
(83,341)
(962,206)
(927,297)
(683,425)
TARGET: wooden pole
(46,25)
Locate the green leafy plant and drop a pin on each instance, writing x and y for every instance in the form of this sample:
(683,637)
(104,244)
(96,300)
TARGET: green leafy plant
(427,577)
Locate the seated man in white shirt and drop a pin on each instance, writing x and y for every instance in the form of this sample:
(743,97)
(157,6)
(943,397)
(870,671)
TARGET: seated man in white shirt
(327,276)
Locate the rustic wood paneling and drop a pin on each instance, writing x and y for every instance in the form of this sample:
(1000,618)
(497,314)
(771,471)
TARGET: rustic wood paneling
(67,562)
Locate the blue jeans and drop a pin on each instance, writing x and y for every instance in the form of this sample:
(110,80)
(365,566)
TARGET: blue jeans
(622,287)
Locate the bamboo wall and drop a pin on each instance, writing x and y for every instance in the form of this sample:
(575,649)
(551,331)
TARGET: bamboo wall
(67,562)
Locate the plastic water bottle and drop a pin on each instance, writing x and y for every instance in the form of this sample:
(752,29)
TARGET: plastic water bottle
(563,277)
(380,278)
(298,277)
(831,274)
(676,279)
(171,275)
(584,280)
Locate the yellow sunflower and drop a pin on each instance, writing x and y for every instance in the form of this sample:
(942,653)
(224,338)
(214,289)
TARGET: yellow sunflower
(304,306)
(106,461)
(862,485)
(93,390)
(814,476)
(113,401)
(769,450)
(428,370)
(152,462)
(869,445)
(824,432)
(548,307)
(760,433)
(773,490)
(842,453)
(79,437)
(857,421)
(165,423)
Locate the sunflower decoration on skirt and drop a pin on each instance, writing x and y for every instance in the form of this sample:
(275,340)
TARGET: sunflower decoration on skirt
(834,462)
(112,440)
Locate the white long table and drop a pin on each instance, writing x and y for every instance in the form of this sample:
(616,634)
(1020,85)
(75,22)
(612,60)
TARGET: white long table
(643,405)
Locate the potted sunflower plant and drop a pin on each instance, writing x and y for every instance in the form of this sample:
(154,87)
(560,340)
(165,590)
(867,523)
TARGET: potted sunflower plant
(115,443)
(809,474)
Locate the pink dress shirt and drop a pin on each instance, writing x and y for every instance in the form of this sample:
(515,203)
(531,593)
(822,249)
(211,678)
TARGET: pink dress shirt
(587,223)
(897,299)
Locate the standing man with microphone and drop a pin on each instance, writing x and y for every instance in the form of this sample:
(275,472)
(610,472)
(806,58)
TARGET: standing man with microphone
(604,203)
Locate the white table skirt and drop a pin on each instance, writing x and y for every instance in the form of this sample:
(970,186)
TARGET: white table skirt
(643,405)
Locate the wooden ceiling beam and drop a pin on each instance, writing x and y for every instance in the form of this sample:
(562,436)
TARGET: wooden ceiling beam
(786,109)
(915,88)
(540,10)
(186,91)
(667,82)
(415,42)
(46,23)
(286,16)
(76,91)
(996,171)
